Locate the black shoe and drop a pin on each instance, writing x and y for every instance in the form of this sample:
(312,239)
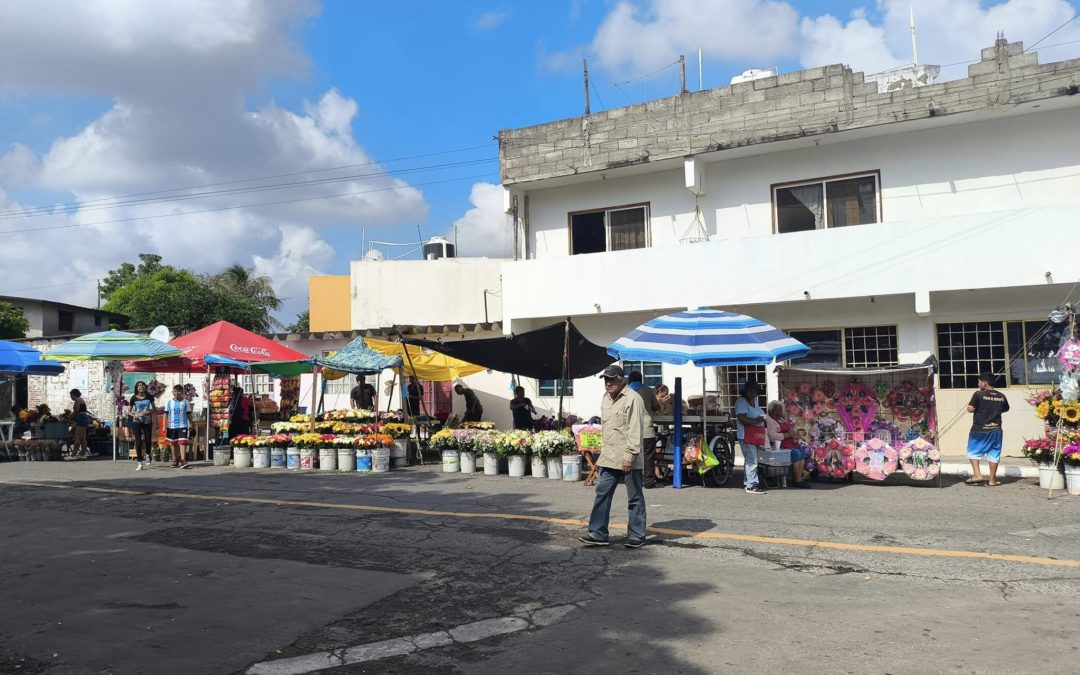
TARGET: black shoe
(652,486)
(589,541)
(755,490)
(805,485)
(634,543)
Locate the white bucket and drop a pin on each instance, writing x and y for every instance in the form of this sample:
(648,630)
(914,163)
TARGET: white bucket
(222,455)
(1050,477)
(516,465)
(450,461)
(241,457)
(292,458)
(539,467)
(399,454)
(1072,479)
(327,459)
(571,468)
(346,459)
(468,462)
(277,458)
(307,459)
(491,464)
(554,468)
(380,460)
(260,458)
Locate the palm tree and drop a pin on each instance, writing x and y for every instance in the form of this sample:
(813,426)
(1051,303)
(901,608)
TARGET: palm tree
(243,283)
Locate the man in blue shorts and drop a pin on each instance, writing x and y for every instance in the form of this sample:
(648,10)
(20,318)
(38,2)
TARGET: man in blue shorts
(987,405)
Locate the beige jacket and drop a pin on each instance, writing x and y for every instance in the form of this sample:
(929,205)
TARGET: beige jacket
(623,421)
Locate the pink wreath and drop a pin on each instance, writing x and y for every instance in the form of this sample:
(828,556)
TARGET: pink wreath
(876,459)
(907,402)
(807,402)
(920,459)
(856,404)
(1069,356)
(834,458)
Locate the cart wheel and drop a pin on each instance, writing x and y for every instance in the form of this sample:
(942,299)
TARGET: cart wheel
(723,452)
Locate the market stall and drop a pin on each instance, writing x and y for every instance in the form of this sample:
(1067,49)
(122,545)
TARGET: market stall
(875,423)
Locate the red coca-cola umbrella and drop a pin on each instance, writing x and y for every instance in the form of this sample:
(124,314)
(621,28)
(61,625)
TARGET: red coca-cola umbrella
(219,339)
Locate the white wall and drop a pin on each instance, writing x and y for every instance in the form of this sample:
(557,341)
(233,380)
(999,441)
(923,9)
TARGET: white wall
(424,292)
(1015,162)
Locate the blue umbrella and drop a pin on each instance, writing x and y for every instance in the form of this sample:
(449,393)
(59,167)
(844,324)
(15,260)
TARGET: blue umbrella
(112,345)
(359,359)
(705,337)
(18,359)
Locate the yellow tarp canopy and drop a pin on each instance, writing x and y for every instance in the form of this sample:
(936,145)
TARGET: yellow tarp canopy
(430,366)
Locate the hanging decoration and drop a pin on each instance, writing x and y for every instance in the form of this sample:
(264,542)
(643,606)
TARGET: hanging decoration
(881,388)
(856,404)
(834,458)
(1069,356)
(807,402)
(824,430)
(886,431)
(907,402)
(920,459)
(876,459)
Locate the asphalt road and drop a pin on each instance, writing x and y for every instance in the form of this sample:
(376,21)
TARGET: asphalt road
(213,570)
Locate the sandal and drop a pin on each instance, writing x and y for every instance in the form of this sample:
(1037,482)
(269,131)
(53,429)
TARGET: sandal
(993,484)
(972,481)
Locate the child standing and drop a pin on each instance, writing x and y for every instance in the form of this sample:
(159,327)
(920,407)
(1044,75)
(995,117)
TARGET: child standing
(178,423)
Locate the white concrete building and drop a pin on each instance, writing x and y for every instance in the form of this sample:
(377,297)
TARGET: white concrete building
(880,228)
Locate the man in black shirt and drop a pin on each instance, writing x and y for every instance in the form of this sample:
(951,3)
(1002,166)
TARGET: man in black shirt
(363,394)
(523,410)
(474,412)
(987,404)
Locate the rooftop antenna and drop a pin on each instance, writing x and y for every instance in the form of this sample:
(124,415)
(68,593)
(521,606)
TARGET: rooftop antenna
(699,86)
(914,45)
(585,67)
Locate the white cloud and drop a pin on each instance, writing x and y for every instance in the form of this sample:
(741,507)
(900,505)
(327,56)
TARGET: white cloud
(826,40)
(490,20)
(483,230)
(181,74)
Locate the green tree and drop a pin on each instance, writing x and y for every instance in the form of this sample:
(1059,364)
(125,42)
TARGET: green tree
(149,263)
(302,323)
(243,285)
(13,323)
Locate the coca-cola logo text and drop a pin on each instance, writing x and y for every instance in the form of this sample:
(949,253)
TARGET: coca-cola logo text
(257,351)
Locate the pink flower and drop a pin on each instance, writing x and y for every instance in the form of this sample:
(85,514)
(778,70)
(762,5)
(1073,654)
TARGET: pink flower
(804,389)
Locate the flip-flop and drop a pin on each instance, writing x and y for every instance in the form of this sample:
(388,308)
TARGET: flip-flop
(993,484)
(972,481)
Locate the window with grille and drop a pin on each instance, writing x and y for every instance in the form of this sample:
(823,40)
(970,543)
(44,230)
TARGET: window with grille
(548,388)
(826,203)
(1033,351)
(857,347)
(615,229)
(263,384)
(732,378)
(967,349)
(341,386)
(652,372)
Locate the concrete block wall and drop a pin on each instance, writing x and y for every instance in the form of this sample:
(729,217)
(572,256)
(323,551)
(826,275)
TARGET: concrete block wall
(827,99)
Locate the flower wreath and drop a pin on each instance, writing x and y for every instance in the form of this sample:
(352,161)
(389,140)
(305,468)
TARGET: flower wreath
(807,402)
(856,404)
(920,459)
(907,402)
(824,430)
(1069,356)
(886,431)
(828,387)
(834,458)
(876,459)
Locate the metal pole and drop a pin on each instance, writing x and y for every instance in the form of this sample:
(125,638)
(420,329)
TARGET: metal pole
(682,74)
(209,388)
(704,411)
(699,84)
(676,478)
(585,66)
(565,370)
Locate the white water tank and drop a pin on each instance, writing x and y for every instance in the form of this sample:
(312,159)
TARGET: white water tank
(438,247)
(753,74)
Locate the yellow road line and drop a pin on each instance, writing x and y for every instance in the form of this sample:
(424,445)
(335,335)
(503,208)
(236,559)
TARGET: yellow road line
(576,522)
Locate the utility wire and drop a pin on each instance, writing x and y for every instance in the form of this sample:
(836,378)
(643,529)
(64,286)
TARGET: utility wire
(1052,32)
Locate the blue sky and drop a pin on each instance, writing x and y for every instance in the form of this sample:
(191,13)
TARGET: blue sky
(105,99)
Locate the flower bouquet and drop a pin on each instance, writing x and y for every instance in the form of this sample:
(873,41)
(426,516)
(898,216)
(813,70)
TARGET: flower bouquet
(513,443)
(464,439)
(300,419)
(244,441)
(1039,450)
(351,415)
(1070,454)
(485,441)
(396,429)
(482,426)
(290,427)
(552,444)
(309,441)
(278,441)
(443,439)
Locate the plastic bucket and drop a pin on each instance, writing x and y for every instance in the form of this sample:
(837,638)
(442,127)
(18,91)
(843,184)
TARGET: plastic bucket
(1072,479)
(468,462)
(516,466)
(292,458)
(1050,477)
(399,454)
(222,455)
(451,461)
(327,459)
(241,457)
(538,467)
(554,468)
(380,460)
(277,458)
(363,461)
(260,458)
(491,464)
(571,468)
(346,459)
(307,458)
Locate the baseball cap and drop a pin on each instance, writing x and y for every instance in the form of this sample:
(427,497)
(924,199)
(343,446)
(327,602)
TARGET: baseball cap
(613,371)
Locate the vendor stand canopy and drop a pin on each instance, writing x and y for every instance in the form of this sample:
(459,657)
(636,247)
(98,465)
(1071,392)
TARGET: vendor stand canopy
(538,354)
(229,344)
(357,359)
(433,367)
(18,359)
(111,345)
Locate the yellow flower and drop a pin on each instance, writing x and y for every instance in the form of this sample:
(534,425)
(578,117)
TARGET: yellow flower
(1071,413)
(1042,411)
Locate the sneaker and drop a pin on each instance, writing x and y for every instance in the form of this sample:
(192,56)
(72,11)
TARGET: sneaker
(184,465)
(139,467)
(634,543)
(755,490)
(589,541)
(175,465)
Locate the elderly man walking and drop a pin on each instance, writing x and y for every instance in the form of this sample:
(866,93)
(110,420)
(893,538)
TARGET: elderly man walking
(622,416)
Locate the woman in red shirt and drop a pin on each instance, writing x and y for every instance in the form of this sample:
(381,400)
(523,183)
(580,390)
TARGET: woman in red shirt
(779,428)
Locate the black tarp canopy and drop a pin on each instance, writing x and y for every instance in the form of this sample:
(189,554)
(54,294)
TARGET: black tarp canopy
(537,354)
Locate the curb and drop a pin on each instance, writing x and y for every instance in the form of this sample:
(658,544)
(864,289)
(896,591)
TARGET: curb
(964,470)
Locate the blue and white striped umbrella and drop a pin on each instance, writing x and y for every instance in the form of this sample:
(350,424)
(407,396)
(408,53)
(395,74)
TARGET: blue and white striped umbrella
(707,337)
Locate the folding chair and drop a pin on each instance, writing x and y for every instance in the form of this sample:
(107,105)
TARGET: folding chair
(590,459)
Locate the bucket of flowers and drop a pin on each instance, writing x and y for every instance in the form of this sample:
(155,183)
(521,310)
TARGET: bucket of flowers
(548,447)
(514,445)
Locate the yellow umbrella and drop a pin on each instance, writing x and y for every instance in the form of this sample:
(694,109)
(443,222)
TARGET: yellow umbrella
(430,366)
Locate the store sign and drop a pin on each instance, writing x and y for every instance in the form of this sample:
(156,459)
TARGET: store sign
(255,351)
